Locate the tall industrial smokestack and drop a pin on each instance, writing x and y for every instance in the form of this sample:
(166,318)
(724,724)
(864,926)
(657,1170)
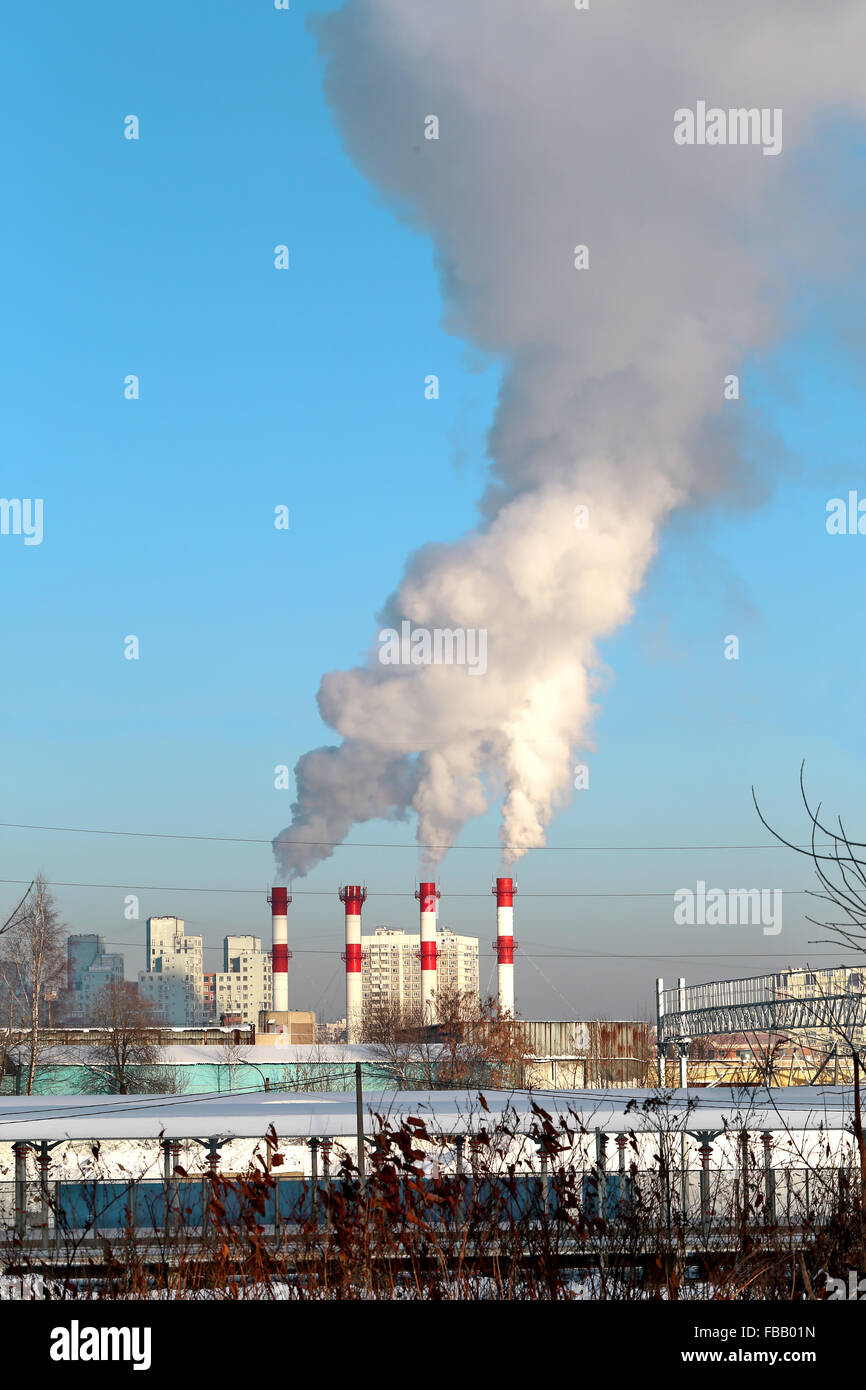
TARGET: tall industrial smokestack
(505,948)
(353,896)
(279,900)
(427,895)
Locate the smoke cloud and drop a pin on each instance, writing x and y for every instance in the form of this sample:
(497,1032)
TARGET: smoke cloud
(556,129)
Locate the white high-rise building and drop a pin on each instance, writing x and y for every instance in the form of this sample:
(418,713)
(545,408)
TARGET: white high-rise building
(173,979)
(391,967)
(245,985)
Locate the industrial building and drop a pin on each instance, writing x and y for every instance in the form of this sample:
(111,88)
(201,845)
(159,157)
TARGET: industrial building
(590,1053)
(197,1061)
(373,959)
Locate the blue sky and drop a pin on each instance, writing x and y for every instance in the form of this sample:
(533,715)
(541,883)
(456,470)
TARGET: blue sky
(305,388)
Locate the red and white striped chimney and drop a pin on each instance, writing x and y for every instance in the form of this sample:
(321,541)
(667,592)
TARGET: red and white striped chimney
(504,943)
(427,895)
(279,900)
(353,895)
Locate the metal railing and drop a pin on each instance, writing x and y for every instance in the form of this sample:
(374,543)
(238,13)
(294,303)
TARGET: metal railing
(761,989)
(65,1213)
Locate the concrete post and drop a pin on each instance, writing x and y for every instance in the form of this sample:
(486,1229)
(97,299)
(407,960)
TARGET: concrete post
(175,1147)
(705,1151)
(170,1156)
(622,1145)
(314,1177)
(660,1047)
(44,1162)
(359,1114)
(545,1183)
(213,1168)
(769,1179)
(20,1152)
(683,1045)
(601,1172)
(459,1141)
(326,1178)
(683,1050)
(458,1145)
(744,1176)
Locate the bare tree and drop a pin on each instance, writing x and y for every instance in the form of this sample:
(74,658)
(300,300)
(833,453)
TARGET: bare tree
(32,966)
(840,866)
(11,1033)
(470,1045)
(127,1059)
(232,1055)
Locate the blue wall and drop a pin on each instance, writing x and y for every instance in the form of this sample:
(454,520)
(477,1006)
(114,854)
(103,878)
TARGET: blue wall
(199,1077)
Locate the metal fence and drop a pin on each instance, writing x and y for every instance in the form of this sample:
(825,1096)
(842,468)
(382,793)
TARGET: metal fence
(88,1211)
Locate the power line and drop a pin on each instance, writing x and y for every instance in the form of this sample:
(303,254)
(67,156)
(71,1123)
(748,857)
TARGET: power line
(146,1103)
(39,1114)
(149,1102)
(329,893)
(378,844)
(571,955)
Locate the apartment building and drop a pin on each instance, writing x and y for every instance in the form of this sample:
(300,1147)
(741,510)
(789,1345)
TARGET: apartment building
(244,988)
(391,967)
(173,980)
(89,968)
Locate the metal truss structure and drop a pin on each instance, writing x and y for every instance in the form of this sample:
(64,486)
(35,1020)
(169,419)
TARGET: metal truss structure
(802,1000)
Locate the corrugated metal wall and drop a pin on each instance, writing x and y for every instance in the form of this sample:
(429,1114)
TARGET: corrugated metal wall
(613,1052)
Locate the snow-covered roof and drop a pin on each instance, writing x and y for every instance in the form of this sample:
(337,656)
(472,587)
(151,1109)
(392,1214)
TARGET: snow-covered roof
(332,1114)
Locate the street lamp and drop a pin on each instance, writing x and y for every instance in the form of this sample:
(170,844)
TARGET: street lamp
(265,1079)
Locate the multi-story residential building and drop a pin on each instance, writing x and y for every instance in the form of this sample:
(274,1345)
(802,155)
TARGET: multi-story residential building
(103,972)
(81,952)
(244,987)
(209,994)
(88,970)
(174,978)
(334,1032)
(391,967)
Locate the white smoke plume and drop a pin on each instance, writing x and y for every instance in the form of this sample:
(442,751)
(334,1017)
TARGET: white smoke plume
(556,130)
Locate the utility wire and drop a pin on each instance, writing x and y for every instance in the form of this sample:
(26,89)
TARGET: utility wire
(135,1105)
(372,892)
(570,955)
(40,1114)
(378,844)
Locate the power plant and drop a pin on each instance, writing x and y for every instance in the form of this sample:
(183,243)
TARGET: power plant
(353,896)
